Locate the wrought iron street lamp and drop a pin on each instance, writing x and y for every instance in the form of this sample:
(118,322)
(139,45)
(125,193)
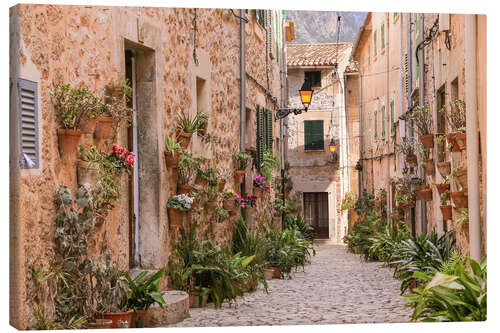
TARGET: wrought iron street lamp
(306,94)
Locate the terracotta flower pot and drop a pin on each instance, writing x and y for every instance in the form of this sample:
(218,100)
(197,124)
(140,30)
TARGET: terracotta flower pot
(377,203)
(233,213)
(104,128)
(239,175)
(68,141)
(125,318)
(175,217)
(210,205)
(460,199)
(411,160)
(196,301)
(276,273)
(430,169)
(446,212)
(85,174)
(451,138)
(100,324)
(462,177)
(268,273)
(287,193)
(171,160)
(444,168)
(222,183)
(200,181)
(427,141)
(184,188)
(184,139)
(424,192)
(141,318)
(228,204)
(461,140)
(395,216)
(442,188)
(258,192)
(87,125)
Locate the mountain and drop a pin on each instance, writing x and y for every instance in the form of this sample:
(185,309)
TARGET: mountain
(321,26)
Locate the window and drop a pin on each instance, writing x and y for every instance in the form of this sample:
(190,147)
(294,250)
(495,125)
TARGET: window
(382,36)
(261,17)
(28,123)
(314,78)
(264,132)
(313,135)
(383,120)
(375,43)
(375,124)
(393,126)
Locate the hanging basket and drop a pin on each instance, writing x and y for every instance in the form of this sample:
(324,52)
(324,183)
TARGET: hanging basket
(239,175)
(68,141)
(87,125)
(85,174)
(444,168)
(411,160)
(222,183)
(184,139)
(171,161)
(446,212)
(427,141)
(461,176)
(104,128)
(460,199)
(461,140)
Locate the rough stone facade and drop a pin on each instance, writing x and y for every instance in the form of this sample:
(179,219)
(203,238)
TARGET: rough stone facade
(391,74)
(317,171)
(52,45)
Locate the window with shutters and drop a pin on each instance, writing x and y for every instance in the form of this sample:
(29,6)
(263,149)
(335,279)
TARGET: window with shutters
(375,43)
(313,135)
(382,37)
(375,124)
(260,16)
(270,32)
(382,111)
(264,132)
(406,74)
(28,124)
(393,126)
(314,77)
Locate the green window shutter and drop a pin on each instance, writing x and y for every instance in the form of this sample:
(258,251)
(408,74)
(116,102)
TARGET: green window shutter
(375,43)
(383,121)
(393,128)
(375,124)
(277,30)
(260,136)
(313,135)
(382,36)
(269,131)
(260,15)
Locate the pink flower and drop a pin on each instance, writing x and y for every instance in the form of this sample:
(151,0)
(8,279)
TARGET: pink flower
(115,148)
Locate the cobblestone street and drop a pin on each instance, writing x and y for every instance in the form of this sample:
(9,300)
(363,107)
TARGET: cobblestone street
(338,287)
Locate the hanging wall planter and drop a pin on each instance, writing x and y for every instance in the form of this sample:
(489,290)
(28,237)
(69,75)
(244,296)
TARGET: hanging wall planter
(258,192)
(239,175)
(85,174)
(184,188)
(229,204)
(424,192)
(446,212)
(460,199)
(451,138)
(430,169)
(184,139)
(68,141)
(441,188)
(461,176)
(411,160)
(171,160)
(222,183)
(104,128)
(461,140)
(88,125)
(444,168)
(427,141)
(175,217)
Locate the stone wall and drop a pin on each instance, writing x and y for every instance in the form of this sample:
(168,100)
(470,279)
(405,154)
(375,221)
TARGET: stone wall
(54,45)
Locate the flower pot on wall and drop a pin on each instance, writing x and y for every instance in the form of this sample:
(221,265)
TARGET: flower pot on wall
(462,178)
(451,138)
(171,160)
(430,169)
(68,141)
(221,185)
(210,205)
(239,175)
(441,188)
(104,128)
(424,192)
(228,204)
(175,217)
(184,139)
(460,199)
(85,174)
(461,140)
(184,188)
(411,160)
(88,126)
(444,168)
(258,192)
(120,319)
(446,212)
(427,141)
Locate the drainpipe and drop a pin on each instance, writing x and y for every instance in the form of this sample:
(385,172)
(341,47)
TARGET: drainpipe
(423,203)
(387,114)
(360,173)
(472,136)
(242,82)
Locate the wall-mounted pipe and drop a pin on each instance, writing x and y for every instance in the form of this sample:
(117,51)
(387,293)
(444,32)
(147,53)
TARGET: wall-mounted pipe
(242,81)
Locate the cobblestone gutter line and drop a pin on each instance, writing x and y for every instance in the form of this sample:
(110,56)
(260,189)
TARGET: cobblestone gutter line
(338,287)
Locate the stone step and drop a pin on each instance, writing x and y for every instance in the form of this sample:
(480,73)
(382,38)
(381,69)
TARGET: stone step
(175,310)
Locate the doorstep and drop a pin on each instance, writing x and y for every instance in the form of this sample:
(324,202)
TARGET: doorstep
(176,309)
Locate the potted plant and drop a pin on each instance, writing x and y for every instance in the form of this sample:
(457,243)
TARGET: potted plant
(460,199)
(172,151)
(187,169)
(459,173)
(220,215)
(455,115)
(201,120)
(407,148)
(177,205)
(288,186)
(444,167)
(422,117)
(205,175)
(73,106)
(144,293)
(259,186)
(462,221)
(445,207)
(444,186)
(229,202)
(115,110)
(212,196)
(87,172)
(111,292)
(424,192)
(186,126)
(241,161)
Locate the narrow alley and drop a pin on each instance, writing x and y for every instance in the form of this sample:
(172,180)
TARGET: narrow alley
(337,288)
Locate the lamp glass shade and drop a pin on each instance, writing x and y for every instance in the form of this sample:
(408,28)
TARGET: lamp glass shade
(332,146)
(305,97)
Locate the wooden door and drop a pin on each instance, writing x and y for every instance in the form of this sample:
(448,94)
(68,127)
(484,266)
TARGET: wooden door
(316,213)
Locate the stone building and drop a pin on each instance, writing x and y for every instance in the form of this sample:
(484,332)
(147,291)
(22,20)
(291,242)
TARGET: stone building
(319,176)
(404,60)
(226,62)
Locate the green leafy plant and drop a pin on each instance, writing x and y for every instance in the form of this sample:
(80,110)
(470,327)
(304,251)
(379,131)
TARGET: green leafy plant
(220,214)
(455,114)
(462,218)
(241,160)
(422,117)
(122,85)
(116,105)
(187,168)
(172,146)
(201,119)
(145,290)
(180,201)
(270,163)
(406,147)
(187,123)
